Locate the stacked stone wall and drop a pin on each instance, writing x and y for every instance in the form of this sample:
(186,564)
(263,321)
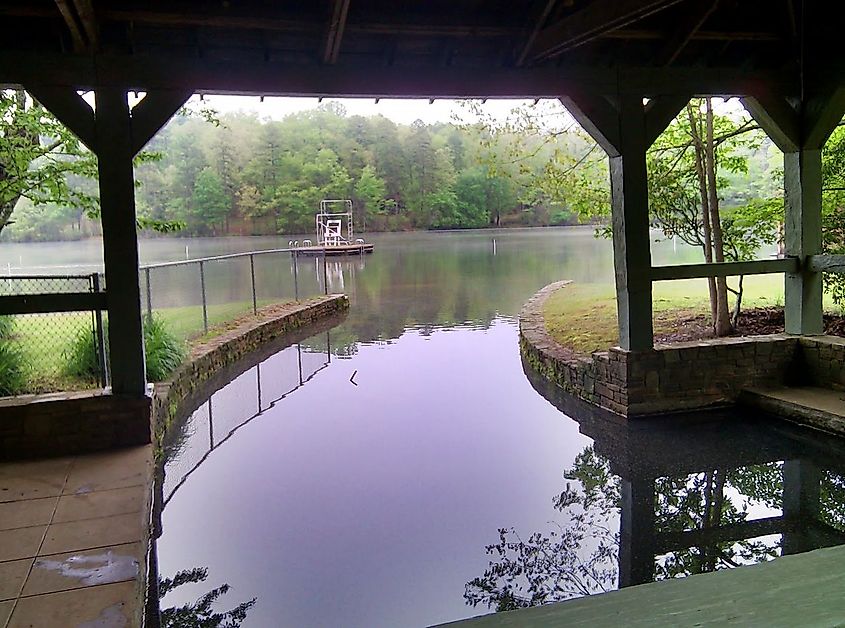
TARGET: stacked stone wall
(258,337)
(824,361)
(680,376)
(33,426)
(59,424)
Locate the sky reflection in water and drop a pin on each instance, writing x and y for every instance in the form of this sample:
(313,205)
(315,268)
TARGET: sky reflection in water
(371,504)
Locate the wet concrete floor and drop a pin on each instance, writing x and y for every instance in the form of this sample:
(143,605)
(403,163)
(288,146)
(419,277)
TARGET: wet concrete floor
(72,539)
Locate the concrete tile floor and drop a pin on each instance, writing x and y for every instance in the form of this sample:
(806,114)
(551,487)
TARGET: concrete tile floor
(71,539)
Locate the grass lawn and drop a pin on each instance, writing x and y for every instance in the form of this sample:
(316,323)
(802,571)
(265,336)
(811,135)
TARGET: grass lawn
(583,316)
(45,340)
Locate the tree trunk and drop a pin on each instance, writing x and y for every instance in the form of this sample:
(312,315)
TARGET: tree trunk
(722,325)
(705,208)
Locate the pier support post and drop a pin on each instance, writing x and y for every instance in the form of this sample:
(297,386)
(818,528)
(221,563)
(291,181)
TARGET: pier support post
(625,128)
(800,128)
(116,134)
(636,532)
(801,500)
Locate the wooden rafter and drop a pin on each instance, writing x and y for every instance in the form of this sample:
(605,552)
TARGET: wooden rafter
(334,35)
(683,33)
(596,19)
(85,10)
(535,30)
(70,18)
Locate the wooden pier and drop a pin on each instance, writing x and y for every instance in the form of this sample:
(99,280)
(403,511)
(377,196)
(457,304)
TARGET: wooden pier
(336,249)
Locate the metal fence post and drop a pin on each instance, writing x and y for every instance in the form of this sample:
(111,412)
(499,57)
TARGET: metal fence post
(98,331)
(295,276)
(252,275)
(204,306)
(149,294)
(325,274)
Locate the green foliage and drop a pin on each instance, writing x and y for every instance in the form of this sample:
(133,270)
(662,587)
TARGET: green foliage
(12,363)
(210,202)
(238,174)
(81,359)
(548,567)
(201,613)
(44,167)
(833,209)
(162,350)
(39,159)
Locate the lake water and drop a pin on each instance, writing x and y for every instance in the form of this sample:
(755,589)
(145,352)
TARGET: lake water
(357,478)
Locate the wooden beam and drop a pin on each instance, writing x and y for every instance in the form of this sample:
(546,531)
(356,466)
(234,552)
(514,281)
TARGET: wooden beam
(724,269)
(334,36)
(251,75)
(695,18)
(596,19)
(777,117)
(548,5)
(669,541)
(45,303)
(69,108)
(826,263)
(153,112)
(660,111)
(821,116)
(69,15)
(85,10)
(792,127)
(597,117)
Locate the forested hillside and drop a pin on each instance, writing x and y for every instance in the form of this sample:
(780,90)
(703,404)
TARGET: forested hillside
(239,175)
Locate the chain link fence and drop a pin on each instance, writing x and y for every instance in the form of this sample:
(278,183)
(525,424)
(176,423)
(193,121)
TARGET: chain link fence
(241,401)
(51,351)
(192,296)
(67,350)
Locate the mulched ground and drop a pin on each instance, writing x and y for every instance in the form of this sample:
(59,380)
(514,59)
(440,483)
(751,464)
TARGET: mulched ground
(753,322)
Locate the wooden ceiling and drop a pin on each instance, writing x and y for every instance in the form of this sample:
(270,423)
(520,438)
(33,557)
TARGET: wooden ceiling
(430,48)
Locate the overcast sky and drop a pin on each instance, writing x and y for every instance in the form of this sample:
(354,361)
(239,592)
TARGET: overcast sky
(402,111)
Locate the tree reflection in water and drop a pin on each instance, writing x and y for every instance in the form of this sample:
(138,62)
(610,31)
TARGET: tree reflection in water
(201,613)
(658,499)
(552,566)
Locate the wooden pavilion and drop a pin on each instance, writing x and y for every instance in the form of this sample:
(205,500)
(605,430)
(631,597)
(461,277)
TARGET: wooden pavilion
(623,68)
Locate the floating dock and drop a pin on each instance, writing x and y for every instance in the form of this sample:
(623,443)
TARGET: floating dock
(336,249)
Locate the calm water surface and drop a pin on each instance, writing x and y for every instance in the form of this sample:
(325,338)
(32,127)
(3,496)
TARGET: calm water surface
(356,478)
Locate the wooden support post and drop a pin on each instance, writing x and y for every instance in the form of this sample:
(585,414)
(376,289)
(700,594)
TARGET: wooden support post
(636,532)
(116,134)
(801,500)
(800,129)
(113,129)
(625,130)
(631,241)
(802,179)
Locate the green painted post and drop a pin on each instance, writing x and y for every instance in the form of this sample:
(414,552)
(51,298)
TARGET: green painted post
(631,243)
(636,532)
(802,178)
(801,505)
(120,241)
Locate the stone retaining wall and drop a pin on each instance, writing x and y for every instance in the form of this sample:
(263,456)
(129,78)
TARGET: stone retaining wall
(60,424)
(221,358)
(824,359)
(680,376)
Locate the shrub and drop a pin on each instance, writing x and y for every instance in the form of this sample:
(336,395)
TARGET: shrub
(163,352)
(81,360)
(12,367)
